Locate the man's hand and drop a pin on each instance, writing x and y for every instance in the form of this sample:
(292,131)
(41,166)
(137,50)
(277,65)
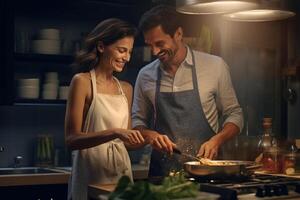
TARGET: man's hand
(161,142)
(210,148)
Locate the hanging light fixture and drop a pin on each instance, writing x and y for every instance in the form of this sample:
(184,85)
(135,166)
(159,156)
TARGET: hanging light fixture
(196,7)
(261,15)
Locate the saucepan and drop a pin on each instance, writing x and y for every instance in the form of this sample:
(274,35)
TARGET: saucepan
(220,168)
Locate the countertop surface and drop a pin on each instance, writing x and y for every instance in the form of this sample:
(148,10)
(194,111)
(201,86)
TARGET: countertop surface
(60,177)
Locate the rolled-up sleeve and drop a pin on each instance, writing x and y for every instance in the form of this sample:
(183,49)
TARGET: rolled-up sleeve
(226,98)
(142,108)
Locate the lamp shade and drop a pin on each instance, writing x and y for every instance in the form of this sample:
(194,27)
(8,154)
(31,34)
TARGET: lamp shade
(196,7)
(261,15)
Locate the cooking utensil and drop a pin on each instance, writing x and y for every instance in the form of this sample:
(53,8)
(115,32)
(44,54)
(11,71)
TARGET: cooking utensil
(220,168)
(176,150)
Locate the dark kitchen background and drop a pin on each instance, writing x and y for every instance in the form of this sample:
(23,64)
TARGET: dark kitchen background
(264,60)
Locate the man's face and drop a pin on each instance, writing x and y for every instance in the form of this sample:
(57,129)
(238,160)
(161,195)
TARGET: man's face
(162,45)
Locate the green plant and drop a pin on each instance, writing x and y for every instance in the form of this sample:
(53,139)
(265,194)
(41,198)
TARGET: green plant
(172,187)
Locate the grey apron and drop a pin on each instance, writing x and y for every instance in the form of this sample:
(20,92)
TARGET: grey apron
(180,116)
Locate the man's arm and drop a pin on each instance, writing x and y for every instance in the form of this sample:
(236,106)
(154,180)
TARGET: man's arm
(142,111)
(231,111)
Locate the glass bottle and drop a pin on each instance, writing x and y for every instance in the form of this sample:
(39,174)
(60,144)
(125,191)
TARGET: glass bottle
(265,141)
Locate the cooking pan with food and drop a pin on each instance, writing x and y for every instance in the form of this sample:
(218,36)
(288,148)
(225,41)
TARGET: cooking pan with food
(220,168)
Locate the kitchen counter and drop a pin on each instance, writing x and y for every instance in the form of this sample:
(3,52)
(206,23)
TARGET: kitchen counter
(282,175)
(61,177)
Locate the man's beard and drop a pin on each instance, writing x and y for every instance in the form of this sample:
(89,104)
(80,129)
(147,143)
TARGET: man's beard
(169,53)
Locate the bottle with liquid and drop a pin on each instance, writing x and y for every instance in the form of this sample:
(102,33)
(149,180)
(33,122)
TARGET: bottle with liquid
(265,141)
(269,151)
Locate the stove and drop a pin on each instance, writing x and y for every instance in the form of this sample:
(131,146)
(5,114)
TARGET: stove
(257,186)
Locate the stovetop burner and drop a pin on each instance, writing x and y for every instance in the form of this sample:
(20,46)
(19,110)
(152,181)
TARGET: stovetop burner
(253,187)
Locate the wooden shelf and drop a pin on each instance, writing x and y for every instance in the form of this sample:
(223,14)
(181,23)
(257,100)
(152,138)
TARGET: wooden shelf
(39,102)
(67,59)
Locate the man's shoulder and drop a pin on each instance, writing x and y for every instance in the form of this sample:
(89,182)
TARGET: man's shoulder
(209,61)
(150,70)
(207,57)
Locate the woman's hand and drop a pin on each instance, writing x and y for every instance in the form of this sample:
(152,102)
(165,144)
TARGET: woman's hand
(132,137)
(161,142)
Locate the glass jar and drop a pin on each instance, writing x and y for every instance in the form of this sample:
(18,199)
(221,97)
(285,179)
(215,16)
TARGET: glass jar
(272,160)
(289,164)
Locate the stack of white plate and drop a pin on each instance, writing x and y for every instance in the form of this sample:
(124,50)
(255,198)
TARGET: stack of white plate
(28,88)
(48,42)
(50,86)
(63,92)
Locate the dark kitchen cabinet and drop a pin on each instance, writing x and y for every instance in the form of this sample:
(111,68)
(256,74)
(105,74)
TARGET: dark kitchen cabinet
(74,19)
(6,38)
(47,192)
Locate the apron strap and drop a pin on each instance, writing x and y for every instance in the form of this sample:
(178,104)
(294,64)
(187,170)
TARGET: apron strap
(94,85)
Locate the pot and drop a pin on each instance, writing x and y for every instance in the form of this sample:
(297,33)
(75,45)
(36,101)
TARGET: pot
(220,168)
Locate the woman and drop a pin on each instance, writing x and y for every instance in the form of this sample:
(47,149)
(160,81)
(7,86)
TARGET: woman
(97,122)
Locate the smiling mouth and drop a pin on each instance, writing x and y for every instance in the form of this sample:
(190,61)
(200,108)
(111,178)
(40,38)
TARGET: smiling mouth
(162,54)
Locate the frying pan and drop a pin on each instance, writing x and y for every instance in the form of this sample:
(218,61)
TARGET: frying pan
(220,168)
(217,168)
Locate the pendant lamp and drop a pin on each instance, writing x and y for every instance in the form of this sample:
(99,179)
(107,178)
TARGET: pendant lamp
(204,7)
(259,15)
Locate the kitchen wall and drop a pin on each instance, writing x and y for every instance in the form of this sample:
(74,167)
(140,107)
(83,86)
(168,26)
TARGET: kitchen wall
(20,125)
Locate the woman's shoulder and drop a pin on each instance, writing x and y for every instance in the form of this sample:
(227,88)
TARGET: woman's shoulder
(127,87)
(81,80)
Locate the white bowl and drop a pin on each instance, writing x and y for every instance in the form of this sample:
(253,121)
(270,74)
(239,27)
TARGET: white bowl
(63,92)
(46,46)
(49,34)
(28,92)
(51,77)
(49,94)
(50,86)
(34,82)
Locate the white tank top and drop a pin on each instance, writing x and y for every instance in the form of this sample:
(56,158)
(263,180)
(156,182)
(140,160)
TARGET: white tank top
(105,163)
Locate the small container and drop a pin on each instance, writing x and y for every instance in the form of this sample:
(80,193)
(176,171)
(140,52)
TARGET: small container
(289,163)
(290,159)
(272,160)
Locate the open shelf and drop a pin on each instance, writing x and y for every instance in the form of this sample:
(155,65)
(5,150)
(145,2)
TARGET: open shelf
(43,57)
(40,102)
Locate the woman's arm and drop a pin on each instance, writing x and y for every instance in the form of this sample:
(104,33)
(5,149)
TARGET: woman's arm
(128,90)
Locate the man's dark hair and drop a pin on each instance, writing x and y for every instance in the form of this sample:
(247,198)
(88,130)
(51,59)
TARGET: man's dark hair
(165,16)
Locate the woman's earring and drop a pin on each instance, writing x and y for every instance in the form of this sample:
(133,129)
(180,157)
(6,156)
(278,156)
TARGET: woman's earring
(100,47)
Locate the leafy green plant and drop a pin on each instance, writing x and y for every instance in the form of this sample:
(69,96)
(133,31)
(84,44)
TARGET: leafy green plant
(172,187)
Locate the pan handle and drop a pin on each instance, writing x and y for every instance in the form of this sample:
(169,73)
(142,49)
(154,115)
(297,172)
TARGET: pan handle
(176,150)
(253,167)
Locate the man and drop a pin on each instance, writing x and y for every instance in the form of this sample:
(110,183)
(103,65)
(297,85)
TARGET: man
(178,97)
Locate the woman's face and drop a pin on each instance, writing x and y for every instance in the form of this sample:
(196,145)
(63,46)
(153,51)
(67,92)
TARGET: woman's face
(116,55)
